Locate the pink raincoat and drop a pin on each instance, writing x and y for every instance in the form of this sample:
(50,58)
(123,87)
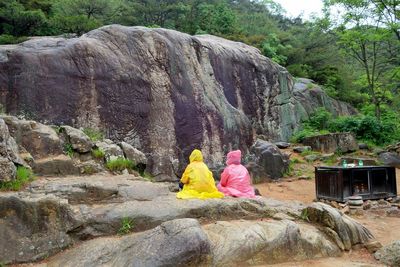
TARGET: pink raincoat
(235,179)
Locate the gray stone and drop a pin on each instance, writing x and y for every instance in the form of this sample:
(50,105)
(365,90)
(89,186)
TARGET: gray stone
(266,242)
(266,161)
(180,242)
(7,170)
(363,146)
(390,159)
(349,231)
(282,144)
(175,93)
(60,165)
(78,139)
(389,254)
(33,228)
(301,149)
(39,140)
(332,142)
(312,157)
(133,154)
(111,150)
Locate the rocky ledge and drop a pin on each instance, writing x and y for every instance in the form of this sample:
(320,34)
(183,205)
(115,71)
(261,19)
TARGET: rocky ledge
(53,214)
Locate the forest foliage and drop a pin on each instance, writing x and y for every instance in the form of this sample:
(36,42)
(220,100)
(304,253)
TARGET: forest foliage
(353,51)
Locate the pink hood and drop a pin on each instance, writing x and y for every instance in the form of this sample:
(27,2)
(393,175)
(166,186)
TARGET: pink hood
(233,157)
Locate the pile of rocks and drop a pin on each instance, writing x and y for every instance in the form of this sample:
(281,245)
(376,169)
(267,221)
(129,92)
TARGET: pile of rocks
(57,150)
(356,206)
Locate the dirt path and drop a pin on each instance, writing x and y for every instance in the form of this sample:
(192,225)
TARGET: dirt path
(385,229)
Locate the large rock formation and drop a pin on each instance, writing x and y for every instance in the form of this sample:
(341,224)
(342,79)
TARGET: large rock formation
(162,91)
(54,213)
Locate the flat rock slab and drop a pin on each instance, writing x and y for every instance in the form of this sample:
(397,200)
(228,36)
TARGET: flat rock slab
(184,242)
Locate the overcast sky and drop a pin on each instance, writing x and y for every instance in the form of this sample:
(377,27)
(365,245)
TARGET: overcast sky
(295,7)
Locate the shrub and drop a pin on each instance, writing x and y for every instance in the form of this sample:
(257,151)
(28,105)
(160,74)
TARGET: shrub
(126,226)
(119,164)
(24,175)
(94,135)
(10,39)
(98,153)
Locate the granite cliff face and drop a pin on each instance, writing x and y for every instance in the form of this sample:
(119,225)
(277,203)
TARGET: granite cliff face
(162,91)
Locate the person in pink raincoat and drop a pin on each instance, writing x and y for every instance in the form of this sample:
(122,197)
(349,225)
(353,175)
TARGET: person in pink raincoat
(235,179)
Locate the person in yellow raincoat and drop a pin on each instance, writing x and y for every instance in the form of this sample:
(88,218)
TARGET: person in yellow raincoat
(198,181)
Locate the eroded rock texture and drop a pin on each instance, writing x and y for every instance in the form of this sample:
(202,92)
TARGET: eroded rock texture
(162,91)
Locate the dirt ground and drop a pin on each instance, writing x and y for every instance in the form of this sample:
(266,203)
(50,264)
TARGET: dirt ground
(385,229)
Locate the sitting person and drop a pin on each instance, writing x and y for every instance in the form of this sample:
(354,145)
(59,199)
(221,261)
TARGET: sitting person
(235,179)
(197,180)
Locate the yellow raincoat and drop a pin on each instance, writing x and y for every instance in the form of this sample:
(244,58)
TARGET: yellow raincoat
(198,180)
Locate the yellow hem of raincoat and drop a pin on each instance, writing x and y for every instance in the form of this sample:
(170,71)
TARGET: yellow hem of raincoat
(188,194)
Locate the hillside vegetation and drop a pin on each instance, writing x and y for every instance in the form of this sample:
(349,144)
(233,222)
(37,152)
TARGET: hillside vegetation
(354,57)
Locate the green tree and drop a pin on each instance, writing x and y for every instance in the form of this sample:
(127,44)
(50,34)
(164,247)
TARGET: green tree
(17,21)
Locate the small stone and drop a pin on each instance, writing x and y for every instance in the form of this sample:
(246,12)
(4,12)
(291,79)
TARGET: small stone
(367,205)
(335,204)
(346,210)
(21,253)
(32,247)
(373,246)
(282,144)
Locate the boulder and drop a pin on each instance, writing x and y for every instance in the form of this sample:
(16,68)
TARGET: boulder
(133,154)
(343,229)
(390,254)
(111,150)
(33,228)
(312,157)
(78,139)
(175,93)
(250,242)
(8,147)
(7,170)
(184,242)
(180,242)
(38,139)
(301,149)
(266,161)
(363,146)
(59,165)
(332,142)
(282,144)
(390,159)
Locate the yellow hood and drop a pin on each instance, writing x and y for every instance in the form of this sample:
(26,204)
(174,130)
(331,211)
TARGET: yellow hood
(196,156)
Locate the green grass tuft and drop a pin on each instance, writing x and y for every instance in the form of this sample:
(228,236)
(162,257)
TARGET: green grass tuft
(24,175)
(98,153)
(68,150)
(120,164)
(94,135)
(126,226)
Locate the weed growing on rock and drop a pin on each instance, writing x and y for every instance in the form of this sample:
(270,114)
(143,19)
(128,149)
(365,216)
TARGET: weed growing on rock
(24,175)
(94,135)
(126,226)
(69,150)
(119,164)
(304,215)
(98,153)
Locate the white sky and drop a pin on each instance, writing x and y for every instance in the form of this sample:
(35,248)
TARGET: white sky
(296,7)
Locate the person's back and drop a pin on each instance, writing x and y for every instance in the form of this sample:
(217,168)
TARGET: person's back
(198,181)
(235,179)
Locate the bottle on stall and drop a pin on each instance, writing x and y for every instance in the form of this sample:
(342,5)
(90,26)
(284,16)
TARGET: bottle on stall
(344,163)
(360,163)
